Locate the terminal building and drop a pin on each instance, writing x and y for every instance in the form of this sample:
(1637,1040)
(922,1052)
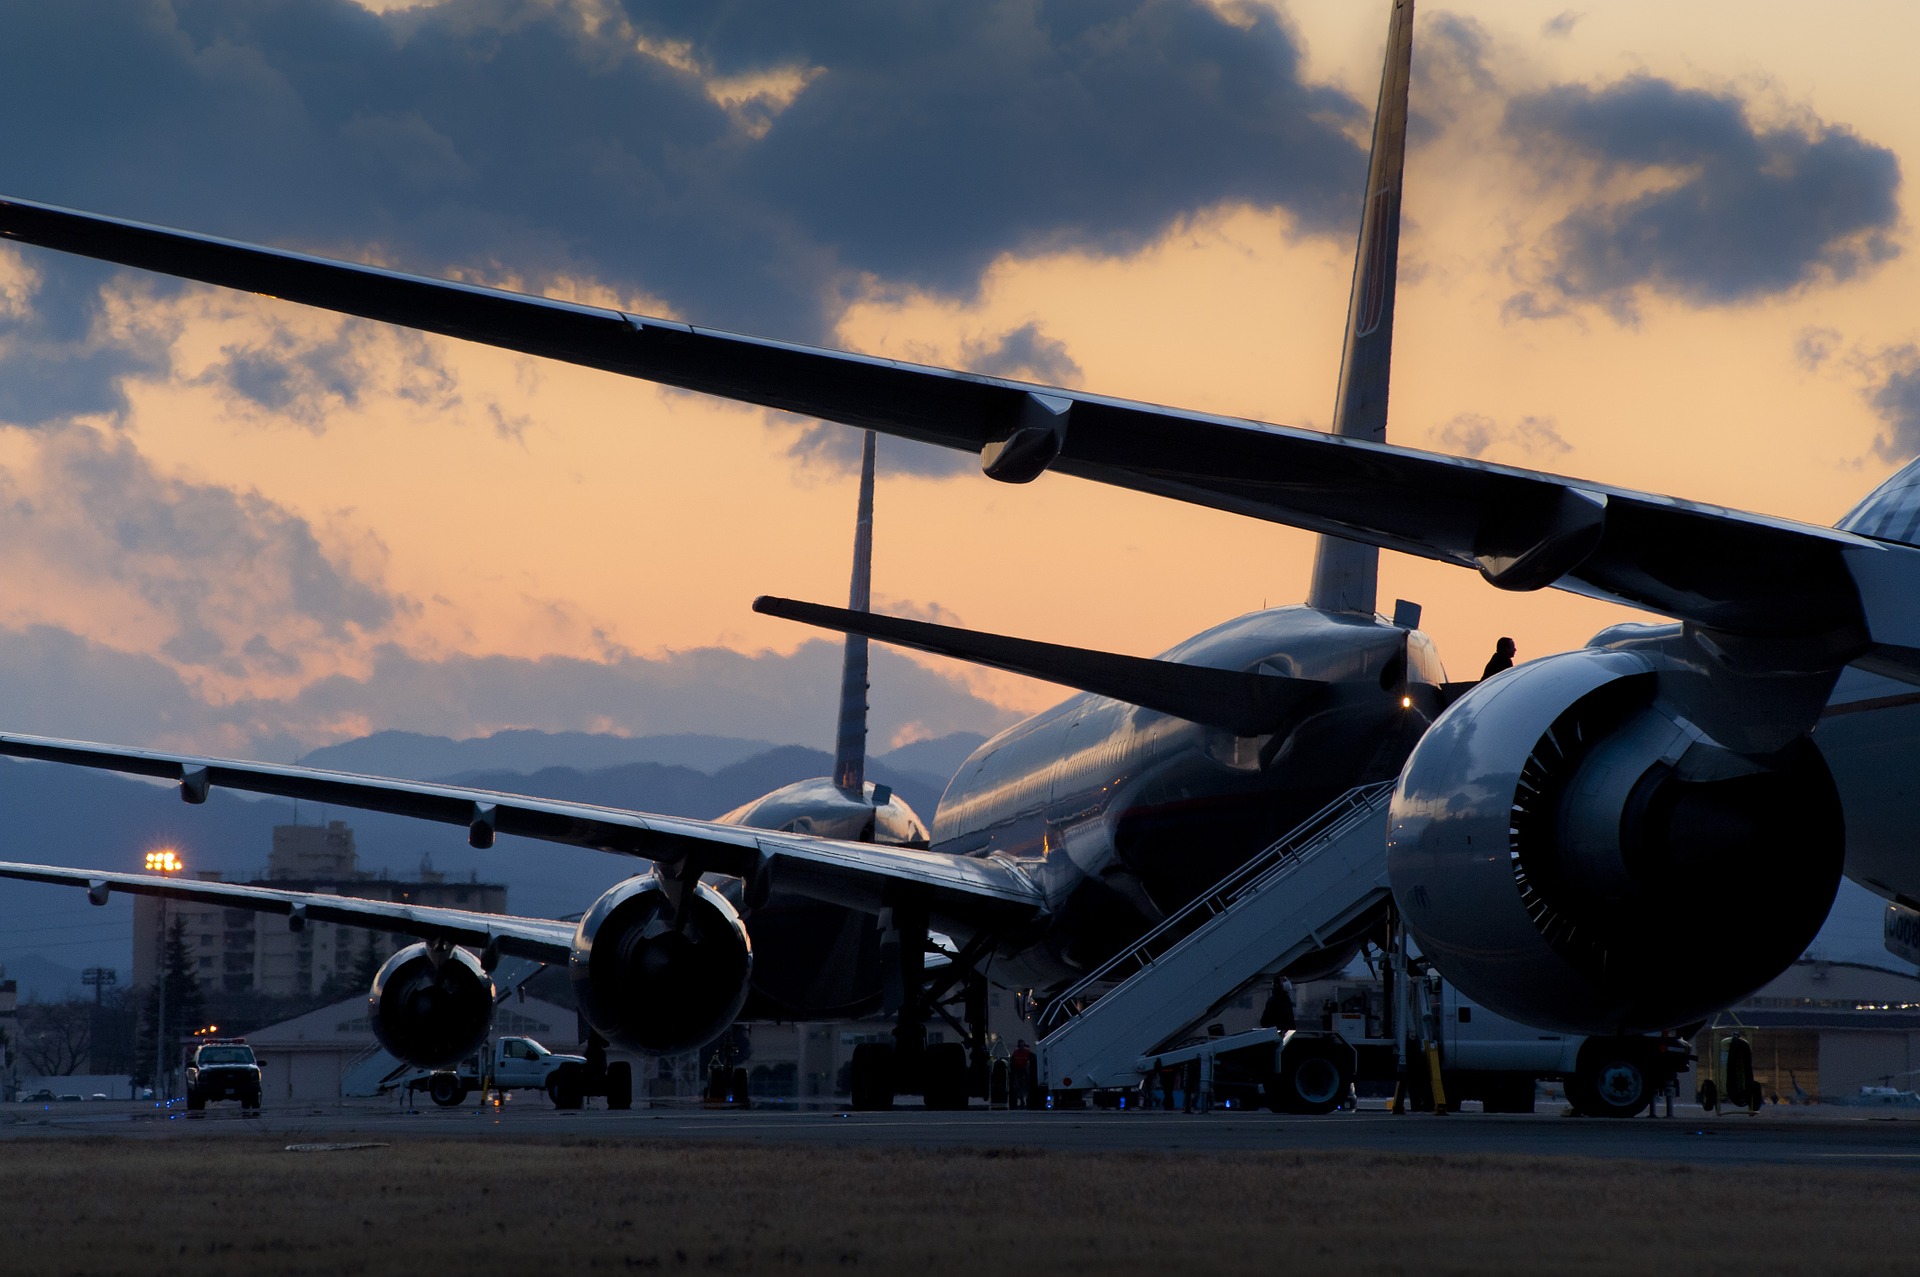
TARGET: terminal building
(240,951)
(1824,1030)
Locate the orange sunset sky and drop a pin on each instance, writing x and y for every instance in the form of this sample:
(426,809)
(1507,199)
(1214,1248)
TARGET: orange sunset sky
(398,528)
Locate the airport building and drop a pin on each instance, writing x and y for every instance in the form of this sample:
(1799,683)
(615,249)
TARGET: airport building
(1823,1030)
(240,951)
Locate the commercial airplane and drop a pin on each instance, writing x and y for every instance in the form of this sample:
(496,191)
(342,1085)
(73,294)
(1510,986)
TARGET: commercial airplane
(1620,838)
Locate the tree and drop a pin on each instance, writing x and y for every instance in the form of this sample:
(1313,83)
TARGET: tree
(56,1037)
(186,1006)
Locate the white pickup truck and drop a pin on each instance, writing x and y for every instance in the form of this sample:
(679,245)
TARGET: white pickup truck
(519,1064)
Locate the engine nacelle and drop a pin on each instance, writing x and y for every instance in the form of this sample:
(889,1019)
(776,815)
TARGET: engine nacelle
(1574,855)
(431,1014)
(654,982)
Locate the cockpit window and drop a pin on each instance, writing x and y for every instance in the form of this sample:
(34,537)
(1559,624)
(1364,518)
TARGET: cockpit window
(1891,512)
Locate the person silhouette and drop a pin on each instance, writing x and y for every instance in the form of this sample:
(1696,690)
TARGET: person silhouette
(1502,658)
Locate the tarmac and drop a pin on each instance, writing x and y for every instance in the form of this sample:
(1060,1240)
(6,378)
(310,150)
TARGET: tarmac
(1887,1139)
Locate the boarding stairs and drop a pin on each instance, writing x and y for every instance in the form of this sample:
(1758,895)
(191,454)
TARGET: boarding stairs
(1279,906)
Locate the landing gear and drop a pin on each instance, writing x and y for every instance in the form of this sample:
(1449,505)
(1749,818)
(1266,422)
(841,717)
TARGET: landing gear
(946,1080)
(446,1090)
(620,1085)
(872,1080)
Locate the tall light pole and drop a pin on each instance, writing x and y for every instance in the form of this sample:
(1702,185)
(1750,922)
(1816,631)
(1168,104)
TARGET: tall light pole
(164,861)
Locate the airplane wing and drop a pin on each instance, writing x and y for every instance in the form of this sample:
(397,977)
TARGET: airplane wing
(541,939)
(965,893)
(1724,569)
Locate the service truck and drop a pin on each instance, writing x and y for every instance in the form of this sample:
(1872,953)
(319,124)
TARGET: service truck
(1483,1056)
(522,1064)
(221,1069)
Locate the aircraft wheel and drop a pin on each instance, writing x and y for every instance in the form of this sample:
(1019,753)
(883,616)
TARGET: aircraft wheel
(872,1076)
(620,1085)
(446,1090)
(1610,1084)
(1709,1095)
(563,1088)
(944,1076)
(1309,1082)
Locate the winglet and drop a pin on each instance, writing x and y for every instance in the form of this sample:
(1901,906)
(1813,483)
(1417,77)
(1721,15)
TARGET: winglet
(1346,573)
(850,741)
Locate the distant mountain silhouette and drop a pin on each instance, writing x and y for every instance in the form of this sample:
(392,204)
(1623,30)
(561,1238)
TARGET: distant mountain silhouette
(681,791)
(413,756)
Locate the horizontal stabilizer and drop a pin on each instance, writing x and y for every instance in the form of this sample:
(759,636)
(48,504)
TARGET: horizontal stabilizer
(1242,702)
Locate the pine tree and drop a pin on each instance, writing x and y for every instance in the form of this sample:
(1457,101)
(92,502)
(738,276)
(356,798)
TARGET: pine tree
(186,1007)
(368,964)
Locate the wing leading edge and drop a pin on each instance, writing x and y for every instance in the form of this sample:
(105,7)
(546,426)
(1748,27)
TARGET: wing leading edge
(1724,569)
(966,893)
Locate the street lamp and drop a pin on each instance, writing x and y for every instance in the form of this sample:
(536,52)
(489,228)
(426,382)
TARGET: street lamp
(164,861)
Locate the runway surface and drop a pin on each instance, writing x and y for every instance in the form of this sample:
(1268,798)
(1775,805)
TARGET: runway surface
(1860,1138)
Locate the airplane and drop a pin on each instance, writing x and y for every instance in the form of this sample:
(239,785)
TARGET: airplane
(1620,838)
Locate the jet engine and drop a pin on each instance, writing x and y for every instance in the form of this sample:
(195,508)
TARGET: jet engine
(1576,855)
(657,979)
(431,1013)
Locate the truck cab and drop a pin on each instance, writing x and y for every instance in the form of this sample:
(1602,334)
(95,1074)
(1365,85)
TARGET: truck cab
(222,1069)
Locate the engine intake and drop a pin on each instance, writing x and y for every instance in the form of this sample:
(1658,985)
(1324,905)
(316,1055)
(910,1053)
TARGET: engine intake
(1574,855)
(656,982)
(431,1014)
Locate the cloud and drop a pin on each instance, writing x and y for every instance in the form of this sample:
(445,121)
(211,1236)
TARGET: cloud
(909,144)
(223,585)
(1814,346)
(1561,25)
(1473,434)
(1895,397)
(54,682)
(1694,200)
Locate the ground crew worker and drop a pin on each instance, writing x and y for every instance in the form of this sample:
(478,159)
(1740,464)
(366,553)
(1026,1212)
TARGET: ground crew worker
(1502,658)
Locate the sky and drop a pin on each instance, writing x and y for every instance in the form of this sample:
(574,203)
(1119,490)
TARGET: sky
(1647,246)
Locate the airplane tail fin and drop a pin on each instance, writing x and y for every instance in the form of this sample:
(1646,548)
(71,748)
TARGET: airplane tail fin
(1245,703)
(850,740)
(1346,573)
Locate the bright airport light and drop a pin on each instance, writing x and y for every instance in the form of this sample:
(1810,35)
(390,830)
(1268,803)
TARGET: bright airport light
(165,861)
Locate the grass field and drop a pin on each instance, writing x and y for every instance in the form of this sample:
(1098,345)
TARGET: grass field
(246,1205)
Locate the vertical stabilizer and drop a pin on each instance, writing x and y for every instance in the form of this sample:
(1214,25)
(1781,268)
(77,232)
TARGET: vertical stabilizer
(1346,573)
(850,744)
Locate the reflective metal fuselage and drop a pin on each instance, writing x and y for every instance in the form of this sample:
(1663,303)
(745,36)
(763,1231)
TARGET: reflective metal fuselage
(1123,814)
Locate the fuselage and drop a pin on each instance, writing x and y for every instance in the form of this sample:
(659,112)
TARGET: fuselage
(1124,814)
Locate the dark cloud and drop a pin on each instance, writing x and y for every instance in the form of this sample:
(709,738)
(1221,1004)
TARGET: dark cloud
(518,137)
(1895,396)
(1749,211)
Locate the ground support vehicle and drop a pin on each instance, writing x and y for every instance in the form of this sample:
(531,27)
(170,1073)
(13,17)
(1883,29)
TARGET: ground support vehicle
(1454,1050)
(518,1063)
(221,1069)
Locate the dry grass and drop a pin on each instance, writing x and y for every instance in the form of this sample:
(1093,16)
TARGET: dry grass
(243,1205)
